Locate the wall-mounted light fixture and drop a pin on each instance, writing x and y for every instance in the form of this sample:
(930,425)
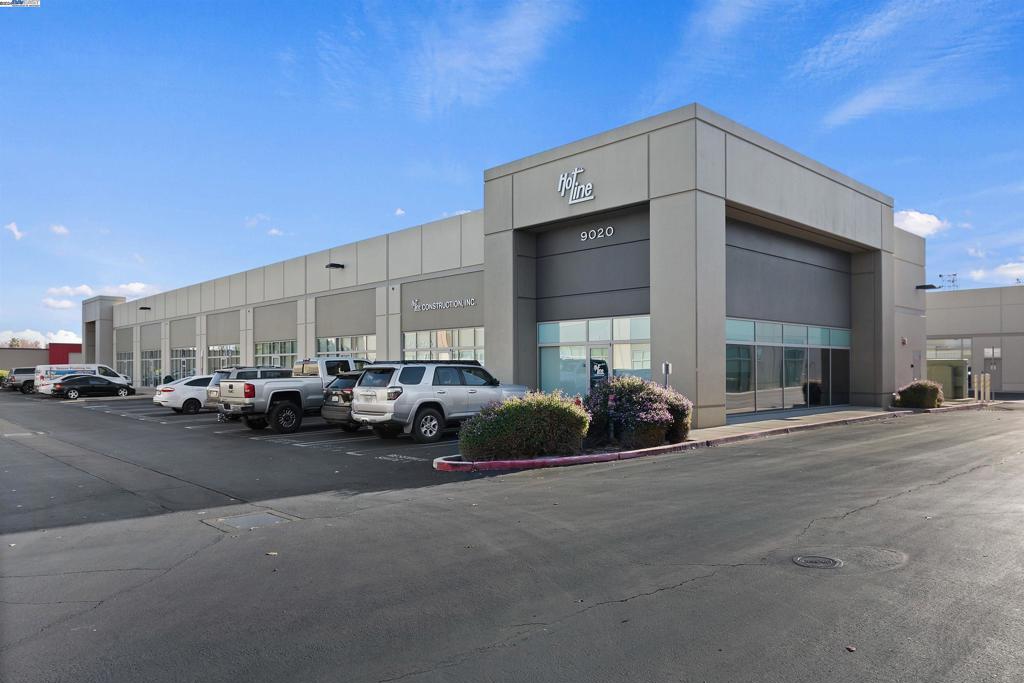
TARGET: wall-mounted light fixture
(335,265)
(145,308)
(928,286)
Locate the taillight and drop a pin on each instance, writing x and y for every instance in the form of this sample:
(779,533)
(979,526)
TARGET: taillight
(56,386)
(346,394)
(249,390)
(394,392)
(167,390)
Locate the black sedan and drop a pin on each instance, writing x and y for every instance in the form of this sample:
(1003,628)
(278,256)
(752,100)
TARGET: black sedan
(337,409)
(90,385)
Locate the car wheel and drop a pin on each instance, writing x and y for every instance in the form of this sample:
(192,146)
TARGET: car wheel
(27,388)
(387,432)
(285,418)
(191,406)
(350,426)
(122,391)
(255,422)
(71,394)
(428,426)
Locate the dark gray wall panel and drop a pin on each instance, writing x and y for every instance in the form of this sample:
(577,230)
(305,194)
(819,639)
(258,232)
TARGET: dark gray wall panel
(223,328)
(432,298)
(771,276)
(183,333)
(278,322)
(347,314)
(123,339)
(578,278)
(149,337)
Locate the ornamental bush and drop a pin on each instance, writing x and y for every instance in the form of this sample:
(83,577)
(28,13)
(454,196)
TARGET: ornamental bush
(642,414)
(535,425)
(921,393)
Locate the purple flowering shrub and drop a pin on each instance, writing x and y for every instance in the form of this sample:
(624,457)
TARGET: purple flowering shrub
(641,413)
(535,425)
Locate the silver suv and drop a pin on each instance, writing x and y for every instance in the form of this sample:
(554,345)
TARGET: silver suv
(423,397)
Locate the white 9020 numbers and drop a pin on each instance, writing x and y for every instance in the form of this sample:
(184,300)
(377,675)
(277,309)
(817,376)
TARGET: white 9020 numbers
(597,233)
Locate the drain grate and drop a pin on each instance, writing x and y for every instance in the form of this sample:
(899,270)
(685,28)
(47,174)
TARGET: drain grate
(817,562)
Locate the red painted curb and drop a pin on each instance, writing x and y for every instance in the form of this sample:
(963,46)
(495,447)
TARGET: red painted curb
(454,463)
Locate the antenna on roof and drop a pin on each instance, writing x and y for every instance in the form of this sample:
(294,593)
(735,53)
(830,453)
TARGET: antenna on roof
(950,281)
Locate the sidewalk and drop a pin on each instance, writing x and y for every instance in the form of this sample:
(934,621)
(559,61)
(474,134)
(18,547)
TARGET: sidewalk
(760,425)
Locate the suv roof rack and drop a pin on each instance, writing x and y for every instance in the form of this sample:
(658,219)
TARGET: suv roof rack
(425,362)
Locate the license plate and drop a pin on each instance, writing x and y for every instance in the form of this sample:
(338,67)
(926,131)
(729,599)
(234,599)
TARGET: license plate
(334,399)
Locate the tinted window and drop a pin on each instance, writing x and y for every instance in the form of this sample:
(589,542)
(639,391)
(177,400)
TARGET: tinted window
(23,371)
(376,377)
(75,380)
(447,377)
(476,377)
(342,383)
(359,364)
(107,372)
(336,367)
(303,370)
(277,374)
(411,375)
(199,382)
(247,374)
(99,381)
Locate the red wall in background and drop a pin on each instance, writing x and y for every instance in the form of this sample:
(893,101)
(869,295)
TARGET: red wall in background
(59,352)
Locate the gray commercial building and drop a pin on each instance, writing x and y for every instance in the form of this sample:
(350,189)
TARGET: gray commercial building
(985,328)
(762,278)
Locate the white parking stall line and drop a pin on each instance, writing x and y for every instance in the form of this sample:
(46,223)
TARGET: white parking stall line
(174,420)
(295,435)
(206,426)
(306,444)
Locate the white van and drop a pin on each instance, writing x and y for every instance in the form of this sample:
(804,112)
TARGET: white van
(46,375)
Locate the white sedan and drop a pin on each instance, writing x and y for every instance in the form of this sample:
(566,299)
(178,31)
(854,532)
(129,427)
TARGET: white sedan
(186,395)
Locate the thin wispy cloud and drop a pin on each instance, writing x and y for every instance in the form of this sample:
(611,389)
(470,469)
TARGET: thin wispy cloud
(41,338)
(58,304)
(256,219)
(12,228)
(708,46)
(436,59)
(69,290)
(914,56)
(59,230)
(1003,274)
(399,211)
(275,232)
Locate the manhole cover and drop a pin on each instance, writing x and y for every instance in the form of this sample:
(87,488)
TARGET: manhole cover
(817,561)
(249,520)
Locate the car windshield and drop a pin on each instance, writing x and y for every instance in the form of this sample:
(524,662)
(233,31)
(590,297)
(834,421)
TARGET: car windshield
(342,383)
(376,377)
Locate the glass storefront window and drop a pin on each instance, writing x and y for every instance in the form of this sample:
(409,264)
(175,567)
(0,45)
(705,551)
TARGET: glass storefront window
(768,377)
(124,363)
(817,336)
(358,346)
(795,378)
(183,362)
(628,329)
(222,356)
(770,333)
(464,343)
(279,354)
(575,354)
(739,330)
(151,368)
(739,378)
(794,334)
(840,338)
(949,349)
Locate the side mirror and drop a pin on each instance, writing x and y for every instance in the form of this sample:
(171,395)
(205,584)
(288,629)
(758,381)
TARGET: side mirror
(495,382)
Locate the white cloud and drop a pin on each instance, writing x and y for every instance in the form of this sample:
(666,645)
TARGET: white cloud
(923,224)
(58,337)
(274,232)
(59,230)
(58,304)
(68,290)
(12,228)
(256,219)
(1004,274)
(139,258)
(399,211)
(975,252)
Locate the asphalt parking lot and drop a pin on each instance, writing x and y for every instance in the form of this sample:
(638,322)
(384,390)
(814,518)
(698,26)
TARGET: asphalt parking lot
(671,568)
(114,458)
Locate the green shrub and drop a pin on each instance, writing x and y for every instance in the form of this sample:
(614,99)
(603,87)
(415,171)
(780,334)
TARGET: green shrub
(642,414)
(535,425)
(921,393)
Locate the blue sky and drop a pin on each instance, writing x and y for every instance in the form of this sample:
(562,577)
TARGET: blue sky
(147,146)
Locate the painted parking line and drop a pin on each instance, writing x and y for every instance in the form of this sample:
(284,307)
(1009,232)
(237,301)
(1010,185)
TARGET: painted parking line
(306,444)
(207,426)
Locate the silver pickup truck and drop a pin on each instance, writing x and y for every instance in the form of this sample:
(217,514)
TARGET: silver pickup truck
(281,403)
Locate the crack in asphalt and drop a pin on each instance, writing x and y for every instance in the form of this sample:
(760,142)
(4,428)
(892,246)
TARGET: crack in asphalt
(894,496)
(96,604)
(506,642)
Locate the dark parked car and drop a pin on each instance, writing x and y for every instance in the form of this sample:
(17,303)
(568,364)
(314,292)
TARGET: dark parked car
(90,385)
(337,408)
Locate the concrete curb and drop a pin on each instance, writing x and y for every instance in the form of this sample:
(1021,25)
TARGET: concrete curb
(948,409)
(455,463)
